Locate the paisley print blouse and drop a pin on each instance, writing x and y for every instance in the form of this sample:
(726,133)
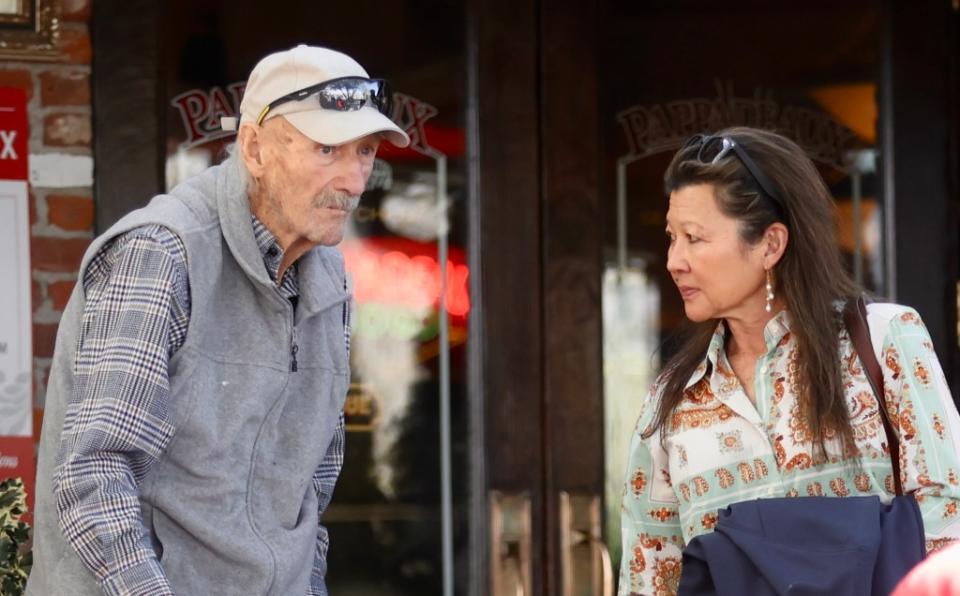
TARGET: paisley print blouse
(719,448)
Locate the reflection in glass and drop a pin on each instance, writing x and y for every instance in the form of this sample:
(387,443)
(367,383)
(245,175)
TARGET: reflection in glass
(11,6)
(631,309)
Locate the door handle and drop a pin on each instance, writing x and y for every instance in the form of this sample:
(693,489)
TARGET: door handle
(607,578)
(586,566)
(510,527)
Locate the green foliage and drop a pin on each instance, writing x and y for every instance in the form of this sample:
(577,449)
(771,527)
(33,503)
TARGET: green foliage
(15,560)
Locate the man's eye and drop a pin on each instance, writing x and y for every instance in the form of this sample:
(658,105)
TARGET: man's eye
(326,149)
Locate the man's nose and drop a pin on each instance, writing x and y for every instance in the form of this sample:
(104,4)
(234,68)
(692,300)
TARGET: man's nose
(354,178)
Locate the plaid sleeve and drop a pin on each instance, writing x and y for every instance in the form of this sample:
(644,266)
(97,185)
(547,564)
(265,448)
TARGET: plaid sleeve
(324,481)
(117,422)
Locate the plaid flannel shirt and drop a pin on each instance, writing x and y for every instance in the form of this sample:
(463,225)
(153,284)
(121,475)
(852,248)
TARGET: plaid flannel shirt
(118,422)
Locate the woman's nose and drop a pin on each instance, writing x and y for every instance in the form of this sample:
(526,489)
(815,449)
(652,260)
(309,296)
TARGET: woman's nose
(676,259)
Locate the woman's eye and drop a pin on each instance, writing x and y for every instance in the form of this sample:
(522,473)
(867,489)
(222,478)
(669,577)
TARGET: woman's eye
(692,239)
(326,149)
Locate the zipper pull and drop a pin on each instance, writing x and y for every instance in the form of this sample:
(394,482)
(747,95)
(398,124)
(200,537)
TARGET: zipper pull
(293,354)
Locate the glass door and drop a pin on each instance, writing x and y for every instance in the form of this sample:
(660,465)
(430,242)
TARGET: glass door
(672,69)
(398,520)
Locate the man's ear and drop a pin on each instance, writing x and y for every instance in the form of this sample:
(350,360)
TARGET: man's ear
(775,240)
(250,142)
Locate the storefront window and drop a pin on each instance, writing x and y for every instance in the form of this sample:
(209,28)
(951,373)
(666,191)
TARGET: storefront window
(398,519)
(671,70)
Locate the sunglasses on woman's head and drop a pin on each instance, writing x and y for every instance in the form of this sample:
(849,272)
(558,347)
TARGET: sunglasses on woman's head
(346,94)
(713,148)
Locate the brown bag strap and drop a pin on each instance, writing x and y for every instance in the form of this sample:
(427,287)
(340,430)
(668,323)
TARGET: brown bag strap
(855,317)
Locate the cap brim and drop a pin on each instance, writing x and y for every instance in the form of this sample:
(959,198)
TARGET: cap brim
(331,127)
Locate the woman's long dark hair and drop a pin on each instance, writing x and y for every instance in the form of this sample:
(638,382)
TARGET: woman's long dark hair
(809,277)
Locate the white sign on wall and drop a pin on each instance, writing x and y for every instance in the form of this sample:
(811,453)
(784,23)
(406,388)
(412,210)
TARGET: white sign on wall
(15,311)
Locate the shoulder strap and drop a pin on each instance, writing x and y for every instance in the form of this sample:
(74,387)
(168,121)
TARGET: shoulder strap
(855,318)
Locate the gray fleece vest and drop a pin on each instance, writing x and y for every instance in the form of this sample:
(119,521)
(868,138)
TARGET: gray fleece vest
(230,506)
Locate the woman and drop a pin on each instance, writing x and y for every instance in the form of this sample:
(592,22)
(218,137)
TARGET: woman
(767,398)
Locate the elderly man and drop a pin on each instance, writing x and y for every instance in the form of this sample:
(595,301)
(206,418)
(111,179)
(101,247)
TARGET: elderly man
(194,429)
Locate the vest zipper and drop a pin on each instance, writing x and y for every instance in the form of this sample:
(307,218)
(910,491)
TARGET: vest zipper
(294,348)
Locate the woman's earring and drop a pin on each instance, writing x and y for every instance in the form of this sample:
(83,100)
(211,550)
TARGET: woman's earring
(769,307)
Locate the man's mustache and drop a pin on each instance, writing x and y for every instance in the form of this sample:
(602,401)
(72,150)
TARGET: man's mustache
(337,200)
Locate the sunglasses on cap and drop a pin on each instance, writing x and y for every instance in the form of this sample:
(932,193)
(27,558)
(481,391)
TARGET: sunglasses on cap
(713,148)
(346,94)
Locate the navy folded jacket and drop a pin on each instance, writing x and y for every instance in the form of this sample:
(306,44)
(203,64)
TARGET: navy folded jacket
(803,546)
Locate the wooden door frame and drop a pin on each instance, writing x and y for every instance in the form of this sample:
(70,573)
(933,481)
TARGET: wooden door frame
(572,248)
(505,342)
(535,201)
(536,364)
(533,229)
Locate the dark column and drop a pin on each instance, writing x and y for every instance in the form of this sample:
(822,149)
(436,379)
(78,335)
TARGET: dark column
(129,137)
(506,327)
(572,249)
(918,126)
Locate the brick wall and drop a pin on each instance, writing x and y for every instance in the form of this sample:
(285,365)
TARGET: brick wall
(61,176)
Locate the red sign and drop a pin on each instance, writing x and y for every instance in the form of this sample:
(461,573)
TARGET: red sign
(16,360)
(404,272)
(13,134)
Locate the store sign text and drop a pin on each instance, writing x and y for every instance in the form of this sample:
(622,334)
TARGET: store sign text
(8,151)
(201,111)
(656,128)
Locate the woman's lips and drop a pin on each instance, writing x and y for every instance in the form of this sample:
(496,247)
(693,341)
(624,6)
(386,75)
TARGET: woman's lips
(687,292)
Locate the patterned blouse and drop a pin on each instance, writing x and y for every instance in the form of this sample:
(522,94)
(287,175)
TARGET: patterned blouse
(718,448)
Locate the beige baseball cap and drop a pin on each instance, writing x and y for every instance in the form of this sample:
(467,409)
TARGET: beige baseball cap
(292,70)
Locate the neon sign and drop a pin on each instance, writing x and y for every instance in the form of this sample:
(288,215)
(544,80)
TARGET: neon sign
(402,272)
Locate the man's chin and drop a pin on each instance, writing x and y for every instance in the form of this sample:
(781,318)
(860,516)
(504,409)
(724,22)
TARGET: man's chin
(329,237)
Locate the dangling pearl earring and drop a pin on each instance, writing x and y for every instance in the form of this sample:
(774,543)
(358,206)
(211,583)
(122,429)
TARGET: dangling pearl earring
(769,307)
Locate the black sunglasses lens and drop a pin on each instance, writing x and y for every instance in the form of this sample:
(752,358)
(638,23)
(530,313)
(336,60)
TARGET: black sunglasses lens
(384,99)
